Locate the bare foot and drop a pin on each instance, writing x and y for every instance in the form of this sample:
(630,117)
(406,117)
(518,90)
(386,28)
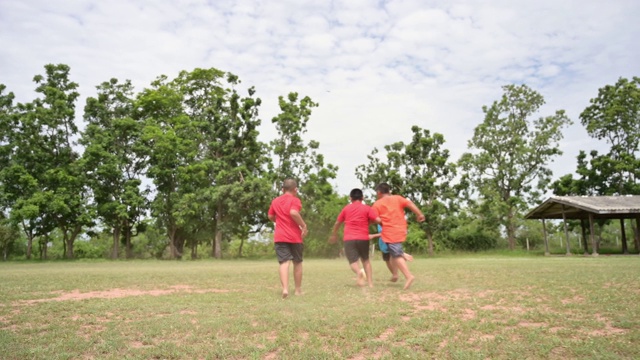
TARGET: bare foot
(407,284)
(408,257)
(361,278)
(285,294)
(394,279)
(298,292)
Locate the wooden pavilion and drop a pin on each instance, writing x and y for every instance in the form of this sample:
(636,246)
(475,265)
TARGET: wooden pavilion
(587,209)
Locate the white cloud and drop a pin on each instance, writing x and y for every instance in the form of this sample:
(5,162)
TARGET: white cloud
(375,67)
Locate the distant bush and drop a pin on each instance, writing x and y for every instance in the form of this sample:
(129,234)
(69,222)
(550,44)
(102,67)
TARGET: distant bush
(471,237)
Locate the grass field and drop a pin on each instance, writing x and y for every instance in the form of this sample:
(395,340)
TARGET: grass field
(469,307)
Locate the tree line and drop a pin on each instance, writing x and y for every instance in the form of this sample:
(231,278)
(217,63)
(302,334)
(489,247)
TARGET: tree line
(181,165)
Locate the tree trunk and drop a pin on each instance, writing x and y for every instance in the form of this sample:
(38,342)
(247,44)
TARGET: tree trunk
(240,248)
(173,234)
(584,236)
(218,239)
(127,239)
(218,247)
(116,242)
(194,251)
(511,231)
(70,240)
(430,239)
(29,240)
(623,233)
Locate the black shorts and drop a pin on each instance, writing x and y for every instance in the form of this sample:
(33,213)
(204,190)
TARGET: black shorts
(289,251)
(386,256)
(356,249)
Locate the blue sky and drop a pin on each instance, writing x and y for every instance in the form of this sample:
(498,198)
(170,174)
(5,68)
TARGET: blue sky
(375,67)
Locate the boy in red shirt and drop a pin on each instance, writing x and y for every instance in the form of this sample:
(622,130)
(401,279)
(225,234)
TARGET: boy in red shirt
(288,234)
(390,208)
(356,217)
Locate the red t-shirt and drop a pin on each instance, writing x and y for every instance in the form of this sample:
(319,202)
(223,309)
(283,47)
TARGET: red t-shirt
(391,211)
(286,228)
(356,218)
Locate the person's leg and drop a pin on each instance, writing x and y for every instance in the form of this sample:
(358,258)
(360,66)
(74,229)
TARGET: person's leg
(297,276)
(401,265)
(398,262)
(366,264)
(394,271)
(363,254)
(296,251)
(351,251)
(284,278)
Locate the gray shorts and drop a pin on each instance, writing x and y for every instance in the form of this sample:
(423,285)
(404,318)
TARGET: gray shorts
(395,250)
(289,251)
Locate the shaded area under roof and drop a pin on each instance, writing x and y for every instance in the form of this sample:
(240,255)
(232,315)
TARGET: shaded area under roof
(579,207)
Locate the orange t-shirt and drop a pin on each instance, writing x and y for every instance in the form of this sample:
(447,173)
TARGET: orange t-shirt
(391,211)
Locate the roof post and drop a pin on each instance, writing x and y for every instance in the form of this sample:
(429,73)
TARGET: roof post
(594,251)
(566,231)
(546,242)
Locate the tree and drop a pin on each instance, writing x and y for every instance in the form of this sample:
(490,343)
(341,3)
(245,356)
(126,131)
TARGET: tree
(614,115)
(114,160)
(229,171)
(508,165)
(64,184)
(301,160)
(205,158)
(420,171)
(43,181)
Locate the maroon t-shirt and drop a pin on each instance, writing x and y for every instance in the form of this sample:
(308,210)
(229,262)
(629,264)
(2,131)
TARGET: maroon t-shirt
(286,228)
(356,217)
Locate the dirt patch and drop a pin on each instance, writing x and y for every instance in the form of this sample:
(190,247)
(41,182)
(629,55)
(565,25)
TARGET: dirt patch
(468,314)
(386,334)
(574,300)
(119,293)
(608,329)
(531,324)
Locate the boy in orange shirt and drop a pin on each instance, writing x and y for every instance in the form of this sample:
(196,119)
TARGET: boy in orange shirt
(390,209)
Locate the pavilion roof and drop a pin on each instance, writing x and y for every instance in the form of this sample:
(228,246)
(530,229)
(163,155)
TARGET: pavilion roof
(579,207)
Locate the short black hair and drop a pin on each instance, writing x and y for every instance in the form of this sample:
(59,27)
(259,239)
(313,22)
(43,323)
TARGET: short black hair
(356,194)
(289,184)
(383,188)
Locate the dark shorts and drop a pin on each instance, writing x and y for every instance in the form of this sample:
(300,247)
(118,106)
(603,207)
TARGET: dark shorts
(356,249)
(386,256)
(289,251)
(395,250)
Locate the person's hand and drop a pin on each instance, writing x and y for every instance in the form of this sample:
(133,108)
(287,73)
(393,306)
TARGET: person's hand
(421,218)
(305,231)
(333,238)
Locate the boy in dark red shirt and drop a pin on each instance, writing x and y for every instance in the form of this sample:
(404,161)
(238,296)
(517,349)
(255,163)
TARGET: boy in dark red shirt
(288,234)
(356,217)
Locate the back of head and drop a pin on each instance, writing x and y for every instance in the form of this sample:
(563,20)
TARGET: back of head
(356,194)
(383,188)
(289,185)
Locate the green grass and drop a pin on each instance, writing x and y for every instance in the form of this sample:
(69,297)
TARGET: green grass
(472,307)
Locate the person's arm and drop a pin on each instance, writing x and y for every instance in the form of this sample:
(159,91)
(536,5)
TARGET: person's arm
(334,232)
(373,236)
(415,210)
(295,215)
(272,217)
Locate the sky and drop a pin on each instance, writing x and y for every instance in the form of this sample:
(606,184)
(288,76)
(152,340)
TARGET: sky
(375,67)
